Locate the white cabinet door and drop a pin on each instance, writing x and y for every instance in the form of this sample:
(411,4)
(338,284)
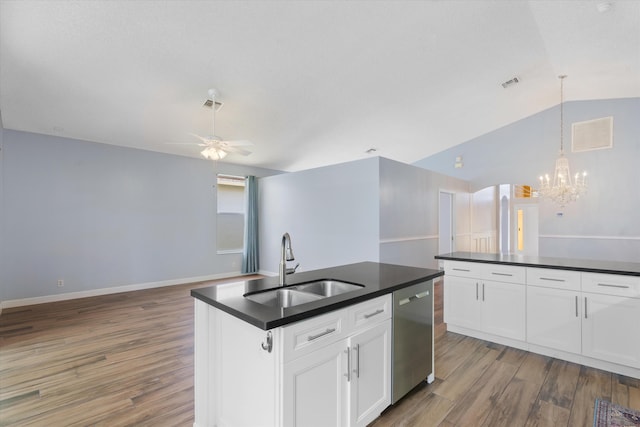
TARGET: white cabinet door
(462,303)
(554,318)
(315,388)
(503,309)
(610,328)
(370,385)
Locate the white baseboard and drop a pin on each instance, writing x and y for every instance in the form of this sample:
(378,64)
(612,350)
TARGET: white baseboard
(112,290)
(267,273)
(558,354)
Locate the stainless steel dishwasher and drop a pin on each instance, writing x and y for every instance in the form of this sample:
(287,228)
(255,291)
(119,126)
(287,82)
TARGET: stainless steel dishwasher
(412,358)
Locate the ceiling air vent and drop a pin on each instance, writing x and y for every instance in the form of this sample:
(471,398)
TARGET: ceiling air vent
(511,82)
(592,134)
(209,103)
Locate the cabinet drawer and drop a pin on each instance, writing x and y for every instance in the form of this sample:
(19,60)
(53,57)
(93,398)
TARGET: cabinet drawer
(611,284)
(463,269)
(504,273)
(369,312)
(306,336)
(551,278)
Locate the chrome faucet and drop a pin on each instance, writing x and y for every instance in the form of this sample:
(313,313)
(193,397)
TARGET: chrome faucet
(286,254)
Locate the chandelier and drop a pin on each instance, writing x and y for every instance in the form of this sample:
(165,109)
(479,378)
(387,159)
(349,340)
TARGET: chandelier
(563,189)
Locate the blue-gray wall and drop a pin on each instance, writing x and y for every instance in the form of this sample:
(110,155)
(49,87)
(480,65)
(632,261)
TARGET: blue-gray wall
(331,213)
(374,209)
(409,210)
(101,216)
(601,225)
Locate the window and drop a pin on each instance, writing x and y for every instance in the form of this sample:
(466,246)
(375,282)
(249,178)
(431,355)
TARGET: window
(231,211)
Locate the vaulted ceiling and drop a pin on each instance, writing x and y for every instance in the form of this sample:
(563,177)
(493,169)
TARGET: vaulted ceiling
(310,83)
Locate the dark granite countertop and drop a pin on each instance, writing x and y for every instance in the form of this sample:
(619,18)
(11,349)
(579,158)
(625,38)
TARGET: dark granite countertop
(591,266)
(378,279)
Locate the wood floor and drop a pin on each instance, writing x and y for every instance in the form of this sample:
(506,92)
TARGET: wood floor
(127,359)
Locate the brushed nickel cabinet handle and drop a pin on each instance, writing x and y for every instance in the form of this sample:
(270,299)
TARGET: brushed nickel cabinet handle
(321,334)
(577,306)
(607,285)
(378,311)
(357,370)
(413,297)
(460,269)
(585,307)
(501,274)
(483,292)
(550,279)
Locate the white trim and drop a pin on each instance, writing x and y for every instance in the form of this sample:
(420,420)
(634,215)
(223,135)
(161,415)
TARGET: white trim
(229,251)
(569,236)
(114,290)
(408,239)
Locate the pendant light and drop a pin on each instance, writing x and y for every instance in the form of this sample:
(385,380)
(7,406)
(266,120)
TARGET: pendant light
(564,188)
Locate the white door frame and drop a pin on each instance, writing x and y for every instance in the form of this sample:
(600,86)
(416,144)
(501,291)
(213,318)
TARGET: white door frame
(443,215)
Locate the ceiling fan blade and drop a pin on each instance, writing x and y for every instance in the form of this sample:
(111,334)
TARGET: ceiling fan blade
(235,150)
(238,143)
(202,138)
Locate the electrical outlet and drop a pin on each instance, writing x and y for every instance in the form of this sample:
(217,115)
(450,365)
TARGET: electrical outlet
(60,283)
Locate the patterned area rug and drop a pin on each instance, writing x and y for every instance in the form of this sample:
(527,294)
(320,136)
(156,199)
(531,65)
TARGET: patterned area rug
(607,414)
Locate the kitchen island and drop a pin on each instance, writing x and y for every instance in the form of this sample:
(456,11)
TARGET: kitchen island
(583,311)
(322,362)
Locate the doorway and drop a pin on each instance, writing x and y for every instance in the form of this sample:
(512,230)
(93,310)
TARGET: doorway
(445,223)
(525,231)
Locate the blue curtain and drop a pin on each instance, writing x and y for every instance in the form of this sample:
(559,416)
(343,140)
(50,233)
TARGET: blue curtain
(250,256)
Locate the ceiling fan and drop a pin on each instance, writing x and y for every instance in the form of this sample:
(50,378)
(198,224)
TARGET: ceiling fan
(215,148)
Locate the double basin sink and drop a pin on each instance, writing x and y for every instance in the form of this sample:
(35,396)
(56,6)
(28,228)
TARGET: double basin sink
(302,293)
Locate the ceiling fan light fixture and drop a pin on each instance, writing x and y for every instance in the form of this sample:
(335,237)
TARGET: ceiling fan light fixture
(213,153)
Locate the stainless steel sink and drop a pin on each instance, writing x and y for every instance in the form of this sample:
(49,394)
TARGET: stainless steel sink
(328,288)
(283,298)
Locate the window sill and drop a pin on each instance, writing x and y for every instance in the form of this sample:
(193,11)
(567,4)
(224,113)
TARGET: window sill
(230,251)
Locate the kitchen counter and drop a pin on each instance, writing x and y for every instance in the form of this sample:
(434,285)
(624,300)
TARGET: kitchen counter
(591,266)
(378,279)
(581,311)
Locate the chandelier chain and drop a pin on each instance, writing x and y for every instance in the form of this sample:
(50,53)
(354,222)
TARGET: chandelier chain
(562,77)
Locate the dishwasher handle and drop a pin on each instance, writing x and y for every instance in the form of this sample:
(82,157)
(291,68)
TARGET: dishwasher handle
(413,298)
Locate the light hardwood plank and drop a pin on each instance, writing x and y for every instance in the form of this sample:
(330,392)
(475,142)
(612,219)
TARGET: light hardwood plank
(592,384)
(127,360)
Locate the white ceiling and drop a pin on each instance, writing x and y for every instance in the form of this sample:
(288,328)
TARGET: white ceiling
(310,83)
